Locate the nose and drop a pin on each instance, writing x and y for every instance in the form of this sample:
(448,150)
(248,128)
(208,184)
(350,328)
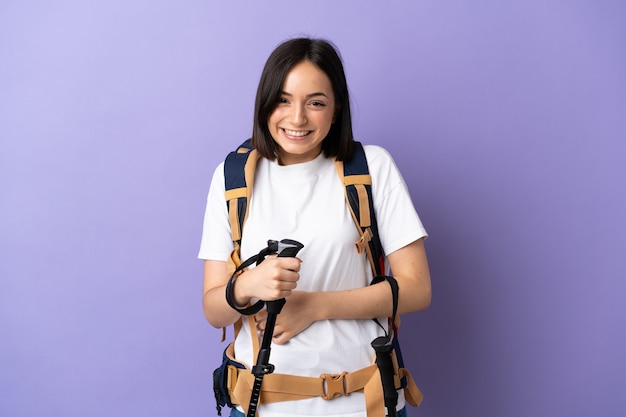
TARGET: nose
(298,115)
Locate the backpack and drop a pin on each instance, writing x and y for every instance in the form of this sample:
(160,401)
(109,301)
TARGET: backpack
(239,169)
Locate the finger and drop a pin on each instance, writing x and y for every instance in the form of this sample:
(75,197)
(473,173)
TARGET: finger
(281,338)
(288,285)
(281,288)
(289,275)
(292,264)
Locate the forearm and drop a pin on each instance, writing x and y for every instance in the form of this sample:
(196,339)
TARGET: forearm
(369,302)
(412,274)
(273,279)
(360,303)
(216,310)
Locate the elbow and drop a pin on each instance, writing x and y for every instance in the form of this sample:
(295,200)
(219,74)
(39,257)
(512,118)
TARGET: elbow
(216,322)
(208,316)
(425,299)
(424,292)
(211,319)
(417,301)
(422,301)
(426,295)
(213,315)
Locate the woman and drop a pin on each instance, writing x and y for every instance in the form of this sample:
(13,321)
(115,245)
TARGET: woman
(302,124)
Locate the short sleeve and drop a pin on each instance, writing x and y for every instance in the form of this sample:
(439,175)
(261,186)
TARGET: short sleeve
(216,243)
(398,221)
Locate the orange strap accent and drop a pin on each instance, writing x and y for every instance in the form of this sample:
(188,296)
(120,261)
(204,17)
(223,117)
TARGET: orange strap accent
(282,387)
(364,206)
(233,260)
(357,179)
(234,193)
(339,168)
(412,393)
(359,182)
(249,170)
(363,243)
(233,219)
(374,396)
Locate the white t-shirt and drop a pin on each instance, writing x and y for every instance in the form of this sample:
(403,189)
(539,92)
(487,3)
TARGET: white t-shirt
(306,202)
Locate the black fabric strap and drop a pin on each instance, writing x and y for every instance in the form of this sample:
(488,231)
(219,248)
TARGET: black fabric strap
(246,311)
(394,294)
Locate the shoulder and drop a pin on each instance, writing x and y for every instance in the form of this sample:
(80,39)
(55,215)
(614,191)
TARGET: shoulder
(219,170)
(218,181)
(382,168)
(378,158)
(374,152)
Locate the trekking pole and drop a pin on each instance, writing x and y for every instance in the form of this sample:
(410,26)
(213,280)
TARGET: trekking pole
(383,347)
(286,248)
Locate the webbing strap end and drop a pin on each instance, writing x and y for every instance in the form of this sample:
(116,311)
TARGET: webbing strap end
(363,243)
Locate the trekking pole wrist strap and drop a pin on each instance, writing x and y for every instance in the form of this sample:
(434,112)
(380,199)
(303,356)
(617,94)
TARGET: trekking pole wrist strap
(394,292)
(230,286)
(230,297)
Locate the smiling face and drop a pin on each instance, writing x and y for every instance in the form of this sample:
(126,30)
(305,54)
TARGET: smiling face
(304,114)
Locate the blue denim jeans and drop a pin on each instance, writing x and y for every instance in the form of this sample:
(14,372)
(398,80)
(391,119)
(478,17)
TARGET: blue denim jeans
(236,413)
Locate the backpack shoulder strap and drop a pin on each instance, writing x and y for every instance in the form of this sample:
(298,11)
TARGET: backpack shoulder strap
(239,168)
(358,186)
(355,176)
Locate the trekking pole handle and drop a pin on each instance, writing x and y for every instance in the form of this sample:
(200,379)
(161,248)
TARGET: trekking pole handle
(286,248)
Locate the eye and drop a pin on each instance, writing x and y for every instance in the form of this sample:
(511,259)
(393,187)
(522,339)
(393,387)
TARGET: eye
(318,104)
(282,100)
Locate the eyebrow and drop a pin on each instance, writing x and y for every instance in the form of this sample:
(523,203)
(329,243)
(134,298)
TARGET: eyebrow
(311,95)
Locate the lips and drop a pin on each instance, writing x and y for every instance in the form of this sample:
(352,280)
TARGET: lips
(296,133)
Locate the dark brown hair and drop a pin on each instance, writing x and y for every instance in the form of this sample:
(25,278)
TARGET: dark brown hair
(339,141)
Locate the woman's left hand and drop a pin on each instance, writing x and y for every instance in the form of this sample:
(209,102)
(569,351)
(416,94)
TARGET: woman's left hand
(297,314)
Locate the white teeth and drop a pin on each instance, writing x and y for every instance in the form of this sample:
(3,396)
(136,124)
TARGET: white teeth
(298,133)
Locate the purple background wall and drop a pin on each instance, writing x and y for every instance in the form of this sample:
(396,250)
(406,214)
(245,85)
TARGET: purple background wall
(507,119)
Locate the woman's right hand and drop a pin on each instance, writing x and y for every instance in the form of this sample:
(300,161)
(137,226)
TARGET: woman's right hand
(273,279)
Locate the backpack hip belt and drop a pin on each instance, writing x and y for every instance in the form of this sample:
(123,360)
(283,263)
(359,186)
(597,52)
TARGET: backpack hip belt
(282,387)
